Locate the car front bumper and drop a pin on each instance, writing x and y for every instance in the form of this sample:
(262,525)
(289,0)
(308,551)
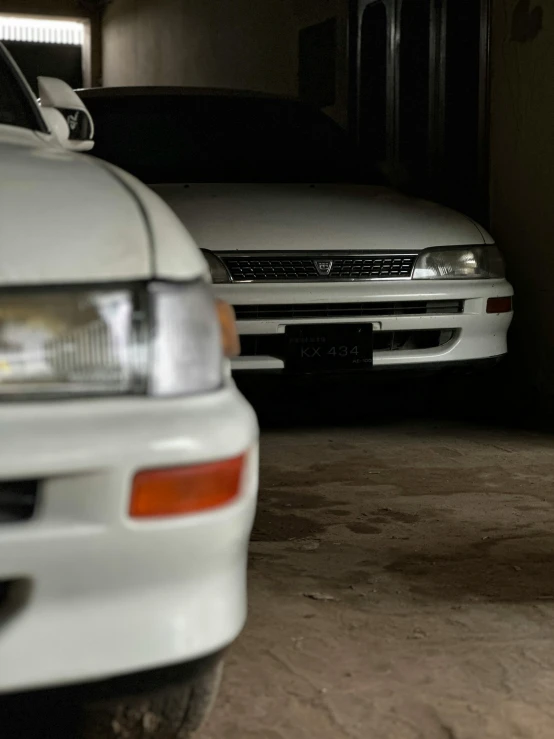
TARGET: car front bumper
(106,595)
(476,334)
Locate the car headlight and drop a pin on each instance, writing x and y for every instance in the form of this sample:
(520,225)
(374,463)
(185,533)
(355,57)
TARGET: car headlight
(156,338)
(459,263)
(218,270)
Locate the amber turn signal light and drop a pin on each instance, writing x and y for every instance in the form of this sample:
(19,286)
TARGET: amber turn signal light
(229,334)
(181,491)
(499,305)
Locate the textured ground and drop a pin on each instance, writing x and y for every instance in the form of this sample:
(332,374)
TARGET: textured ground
(402,584)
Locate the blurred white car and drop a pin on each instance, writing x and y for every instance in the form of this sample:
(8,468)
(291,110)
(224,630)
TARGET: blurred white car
(328,269)
(128,460)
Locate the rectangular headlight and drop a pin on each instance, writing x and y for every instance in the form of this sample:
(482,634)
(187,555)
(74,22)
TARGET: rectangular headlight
(459,263)
(158,338)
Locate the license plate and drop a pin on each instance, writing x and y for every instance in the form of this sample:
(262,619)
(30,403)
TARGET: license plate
(329,348)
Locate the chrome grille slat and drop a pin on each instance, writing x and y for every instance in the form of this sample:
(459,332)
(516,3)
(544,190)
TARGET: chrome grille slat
(276,267)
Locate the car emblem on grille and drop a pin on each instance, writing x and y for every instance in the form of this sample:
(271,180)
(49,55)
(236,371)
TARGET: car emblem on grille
(323,266)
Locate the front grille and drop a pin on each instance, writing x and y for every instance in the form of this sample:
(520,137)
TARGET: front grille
(349,310)
(313,267)
(275,345)
(18,500)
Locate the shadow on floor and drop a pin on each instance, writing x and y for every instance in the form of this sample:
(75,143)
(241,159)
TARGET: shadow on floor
(496,397)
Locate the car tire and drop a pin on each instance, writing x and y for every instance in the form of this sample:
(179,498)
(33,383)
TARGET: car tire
(174,709)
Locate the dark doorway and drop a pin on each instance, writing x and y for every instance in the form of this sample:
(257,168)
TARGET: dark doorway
(419,95)
(374,84)
(317,61)
(464,140)
(414,90)
(50,60)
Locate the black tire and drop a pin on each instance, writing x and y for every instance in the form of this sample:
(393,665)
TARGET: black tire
(168,703)
(175,709)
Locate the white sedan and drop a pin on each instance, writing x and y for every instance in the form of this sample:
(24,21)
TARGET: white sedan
(328,269)
(128,459)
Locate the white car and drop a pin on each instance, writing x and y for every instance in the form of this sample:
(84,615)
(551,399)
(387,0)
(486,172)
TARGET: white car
(327,268)
(128,459)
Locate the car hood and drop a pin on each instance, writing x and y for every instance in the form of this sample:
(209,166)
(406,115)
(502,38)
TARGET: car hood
(65,218)
(228,217)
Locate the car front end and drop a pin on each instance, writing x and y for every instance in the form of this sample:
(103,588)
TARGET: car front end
(128,459)
(367,310)
(332,278)
(128,479)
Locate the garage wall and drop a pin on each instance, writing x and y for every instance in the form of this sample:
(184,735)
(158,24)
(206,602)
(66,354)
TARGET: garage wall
(522,173)
(198,42)
(249,44)
(69,8)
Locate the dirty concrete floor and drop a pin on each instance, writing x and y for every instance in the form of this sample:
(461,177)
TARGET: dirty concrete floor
(401,586)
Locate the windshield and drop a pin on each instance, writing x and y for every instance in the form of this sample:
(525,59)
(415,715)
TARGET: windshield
(163,138)
(16,105)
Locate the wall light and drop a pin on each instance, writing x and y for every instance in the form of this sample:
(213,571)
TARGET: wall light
(37,30)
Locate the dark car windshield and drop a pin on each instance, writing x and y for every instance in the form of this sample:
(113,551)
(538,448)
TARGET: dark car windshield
(164,138)
(17,107)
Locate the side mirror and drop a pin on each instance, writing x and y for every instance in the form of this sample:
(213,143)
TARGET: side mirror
(56,95)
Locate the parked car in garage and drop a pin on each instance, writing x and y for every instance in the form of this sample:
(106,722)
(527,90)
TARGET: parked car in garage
(328,268)
(128,459)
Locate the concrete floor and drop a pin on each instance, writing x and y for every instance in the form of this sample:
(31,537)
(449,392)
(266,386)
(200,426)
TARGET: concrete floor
(401,586)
